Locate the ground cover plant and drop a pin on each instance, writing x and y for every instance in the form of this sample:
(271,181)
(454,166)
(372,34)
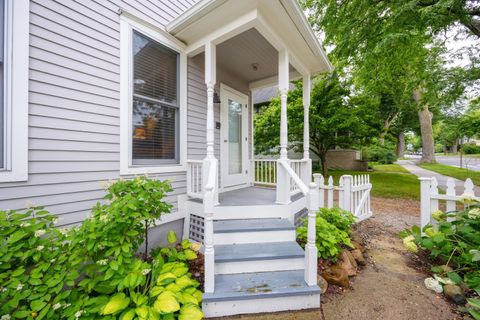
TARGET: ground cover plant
(458,173)
(333,228)
(95,271)
(453,244)
(388,181)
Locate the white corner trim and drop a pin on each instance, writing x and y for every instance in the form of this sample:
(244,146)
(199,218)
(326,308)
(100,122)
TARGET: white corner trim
(127,24)
(16,90)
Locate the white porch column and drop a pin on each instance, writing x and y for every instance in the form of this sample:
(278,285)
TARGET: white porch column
(210,79)
(283,179)
(283,78)
(210,163)
(307,171)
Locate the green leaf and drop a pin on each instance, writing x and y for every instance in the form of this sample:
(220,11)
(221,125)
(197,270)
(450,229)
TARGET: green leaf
(166,278)
(474,302)
(190,312)
(190,254)
(454,277)
(116,304)
(37,305)
(21,314)
(127,314)
(166,303)
(16,236)
(172,237)
(475,314)
(185,244)
(185,281)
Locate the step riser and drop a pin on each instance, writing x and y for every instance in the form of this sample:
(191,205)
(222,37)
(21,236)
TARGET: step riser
(235,267)
(254,237)
(248,306)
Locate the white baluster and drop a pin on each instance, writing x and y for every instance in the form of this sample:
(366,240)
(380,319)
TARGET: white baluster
(451,204)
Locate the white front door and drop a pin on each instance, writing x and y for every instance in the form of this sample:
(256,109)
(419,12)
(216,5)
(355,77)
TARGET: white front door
(233,137)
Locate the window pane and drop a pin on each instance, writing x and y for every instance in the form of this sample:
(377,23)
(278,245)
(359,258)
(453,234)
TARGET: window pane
(154,132)
(155,70)
(234,137)
(155,117)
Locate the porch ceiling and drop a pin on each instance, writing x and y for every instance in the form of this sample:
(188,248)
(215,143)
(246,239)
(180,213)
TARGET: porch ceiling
(252,31)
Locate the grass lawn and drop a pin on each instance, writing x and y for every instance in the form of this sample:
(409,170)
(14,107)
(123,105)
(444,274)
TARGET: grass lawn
(388,181)
(459,173)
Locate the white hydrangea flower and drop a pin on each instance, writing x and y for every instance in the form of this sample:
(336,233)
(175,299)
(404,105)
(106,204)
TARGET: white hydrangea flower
(24,224)
(56,306)
(39,233)
(78,314)
(40,248)
(3,289)
(67,305)
(53,260)
(474,213)
(30,204)
(146,271)
(104,218)
(468,199)
(102,262)
(434,285)
(55,221)
(19,287)
(6,317)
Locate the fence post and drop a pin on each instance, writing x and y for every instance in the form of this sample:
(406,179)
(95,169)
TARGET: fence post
(425,210)
(330,193)
(433,192)
(341,192)
(311,253)
(319,182)
(347,193)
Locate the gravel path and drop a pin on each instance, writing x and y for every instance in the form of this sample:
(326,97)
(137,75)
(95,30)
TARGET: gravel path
(390,287)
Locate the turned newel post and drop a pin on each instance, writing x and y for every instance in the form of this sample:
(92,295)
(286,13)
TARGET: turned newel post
(307,171)
(310,247)
(209,254)
(210,79)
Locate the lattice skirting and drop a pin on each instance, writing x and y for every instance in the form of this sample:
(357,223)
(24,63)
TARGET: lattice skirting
(196,228)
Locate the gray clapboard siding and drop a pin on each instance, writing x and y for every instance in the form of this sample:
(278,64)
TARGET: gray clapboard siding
(74,103)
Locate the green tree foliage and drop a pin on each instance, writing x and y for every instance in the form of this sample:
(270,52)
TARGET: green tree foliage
(334,121)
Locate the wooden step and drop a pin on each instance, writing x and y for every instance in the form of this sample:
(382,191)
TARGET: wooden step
(260,292)
(253,231)
(258,257)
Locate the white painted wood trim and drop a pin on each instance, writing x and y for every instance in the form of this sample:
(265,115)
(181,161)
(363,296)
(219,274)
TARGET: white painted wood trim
(272,81)
(244,179)
(128,23)
(16,64)
(273,304)
(234,267)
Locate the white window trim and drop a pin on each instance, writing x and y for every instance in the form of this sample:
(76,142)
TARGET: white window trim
(17,18)
(128,23)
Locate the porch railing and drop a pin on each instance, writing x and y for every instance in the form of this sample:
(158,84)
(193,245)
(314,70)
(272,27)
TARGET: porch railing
(311,195)
(265,172)
(195,178)
(299,167)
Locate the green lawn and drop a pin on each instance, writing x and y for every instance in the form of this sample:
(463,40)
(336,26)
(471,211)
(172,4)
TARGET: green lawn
(388,181)
(454,172)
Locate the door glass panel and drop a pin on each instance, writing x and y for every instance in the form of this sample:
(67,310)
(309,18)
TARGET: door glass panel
(234,137)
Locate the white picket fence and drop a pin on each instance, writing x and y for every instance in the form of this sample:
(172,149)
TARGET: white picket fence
(353,194)
(430,197)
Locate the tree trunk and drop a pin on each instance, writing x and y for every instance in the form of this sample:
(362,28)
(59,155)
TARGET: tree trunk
(400,144)
(455,147)
(428,145)
(323,159)
(426,130)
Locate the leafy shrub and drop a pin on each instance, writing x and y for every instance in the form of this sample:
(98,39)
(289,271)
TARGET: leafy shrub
(37,270)
(341,219)
(329,238)
(93,271)
(471,149)
(380,154)
(456,243)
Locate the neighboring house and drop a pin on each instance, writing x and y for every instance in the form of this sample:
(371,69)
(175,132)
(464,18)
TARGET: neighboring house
(97,90)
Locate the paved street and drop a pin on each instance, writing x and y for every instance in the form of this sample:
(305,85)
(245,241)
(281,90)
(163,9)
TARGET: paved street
(471,163)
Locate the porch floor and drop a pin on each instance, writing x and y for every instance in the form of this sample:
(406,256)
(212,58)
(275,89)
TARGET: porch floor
(251,196)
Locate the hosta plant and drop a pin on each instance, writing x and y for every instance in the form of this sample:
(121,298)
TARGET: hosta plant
(329,237)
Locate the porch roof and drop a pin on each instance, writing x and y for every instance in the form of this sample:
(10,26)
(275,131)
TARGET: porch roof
(281,22)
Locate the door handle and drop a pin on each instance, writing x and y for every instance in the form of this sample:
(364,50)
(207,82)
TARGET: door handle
(225,140)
